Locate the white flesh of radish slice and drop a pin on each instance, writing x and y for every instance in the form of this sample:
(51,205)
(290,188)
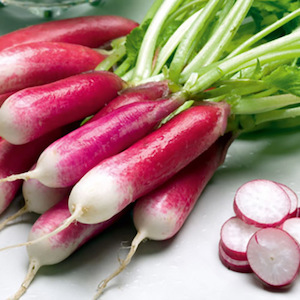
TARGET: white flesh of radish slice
(235,235)
(274,256)
(262,203)
(292,226)
(293,198)
(233,264)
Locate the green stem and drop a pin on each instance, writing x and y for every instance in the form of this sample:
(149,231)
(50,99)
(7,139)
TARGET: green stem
(213,49)
(195,32)
(144,61)
(263,33)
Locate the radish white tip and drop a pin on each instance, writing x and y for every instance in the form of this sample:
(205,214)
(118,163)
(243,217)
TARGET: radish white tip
(19,213)
(78,212)
(24,176)
(32,270)
(140,236)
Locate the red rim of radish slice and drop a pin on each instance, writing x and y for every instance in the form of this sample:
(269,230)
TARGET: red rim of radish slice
(292,227)
(274,256)
(293,198)
(235,235)
(262,203)
(241,266)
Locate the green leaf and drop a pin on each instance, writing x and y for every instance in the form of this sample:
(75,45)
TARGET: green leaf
(286,78)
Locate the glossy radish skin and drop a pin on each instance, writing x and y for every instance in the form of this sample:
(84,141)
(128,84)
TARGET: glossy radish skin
(233,264)
(90,31)
(35,64)
(34,111)
(121,179)
(140,93)
(235,235)
(160,214)
(274,256)
(16,159)
(65,161)
(3,97)
(262,203)
(57,248)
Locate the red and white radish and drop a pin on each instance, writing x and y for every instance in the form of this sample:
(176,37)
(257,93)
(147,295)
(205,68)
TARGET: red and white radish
(16,159)
(32,112)
(233,264)
(34,64)
(121,179)
(56,249)
(262,203)
(235,235)
(65,161)
(293,199)
(160,214)
(274,256)
(90,31)
(139,93)
(3,97)
(292,226)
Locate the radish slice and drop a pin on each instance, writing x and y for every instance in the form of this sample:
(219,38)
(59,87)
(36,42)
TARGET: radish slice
(235,235)
(292,226)
(293,198)
(274,256)
(262,203)
(241,266)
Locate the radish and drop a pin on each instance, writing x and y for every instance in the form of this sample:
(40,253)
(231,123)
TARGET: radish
(117,181)
(160,214)
(16,159)
(65,161)
(262,203)
(292,226)
(139,93)
(40,63)
(34,111)
(233,264)
(274,256)
(293,199)
(90,31)
(56,249)
(3,97)
(235,235)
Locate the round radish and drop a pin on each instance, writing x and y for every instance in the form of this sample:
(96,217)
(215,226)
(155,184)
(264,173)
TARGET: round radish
(293,198)
(235,235)
(233,264)
(292,226)
(262,203)
(274,256)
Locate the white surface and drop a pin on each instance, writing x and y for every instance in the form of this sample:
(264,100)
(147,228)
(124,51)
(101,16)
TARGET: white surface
(183,268)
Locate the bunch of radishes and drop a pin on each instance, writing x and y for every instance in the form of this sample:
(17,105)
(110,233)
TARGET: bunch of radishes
(145,118)
(263,236)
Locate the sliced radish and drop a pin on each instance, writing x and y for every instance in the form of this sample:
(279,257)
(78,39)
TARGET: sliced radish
(274,256)
(262,203)
(293,198)
(235,235)
(233,264)
(292,226)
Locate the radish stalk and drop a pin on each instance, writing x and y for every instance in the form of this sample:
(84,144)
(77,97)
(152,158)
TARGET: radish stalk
(160,214)
(64,162)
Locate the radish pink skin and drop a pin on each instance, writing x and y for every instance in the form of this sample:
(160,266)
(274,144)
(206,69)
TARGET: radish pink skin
(34,111)
(3,97)
(101,139)
(123,178)
(259,240)
(90,31)
(17,159)
(35,64)
(148,91)
(58,247)
(259,223)
(162,212)
(233,264)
